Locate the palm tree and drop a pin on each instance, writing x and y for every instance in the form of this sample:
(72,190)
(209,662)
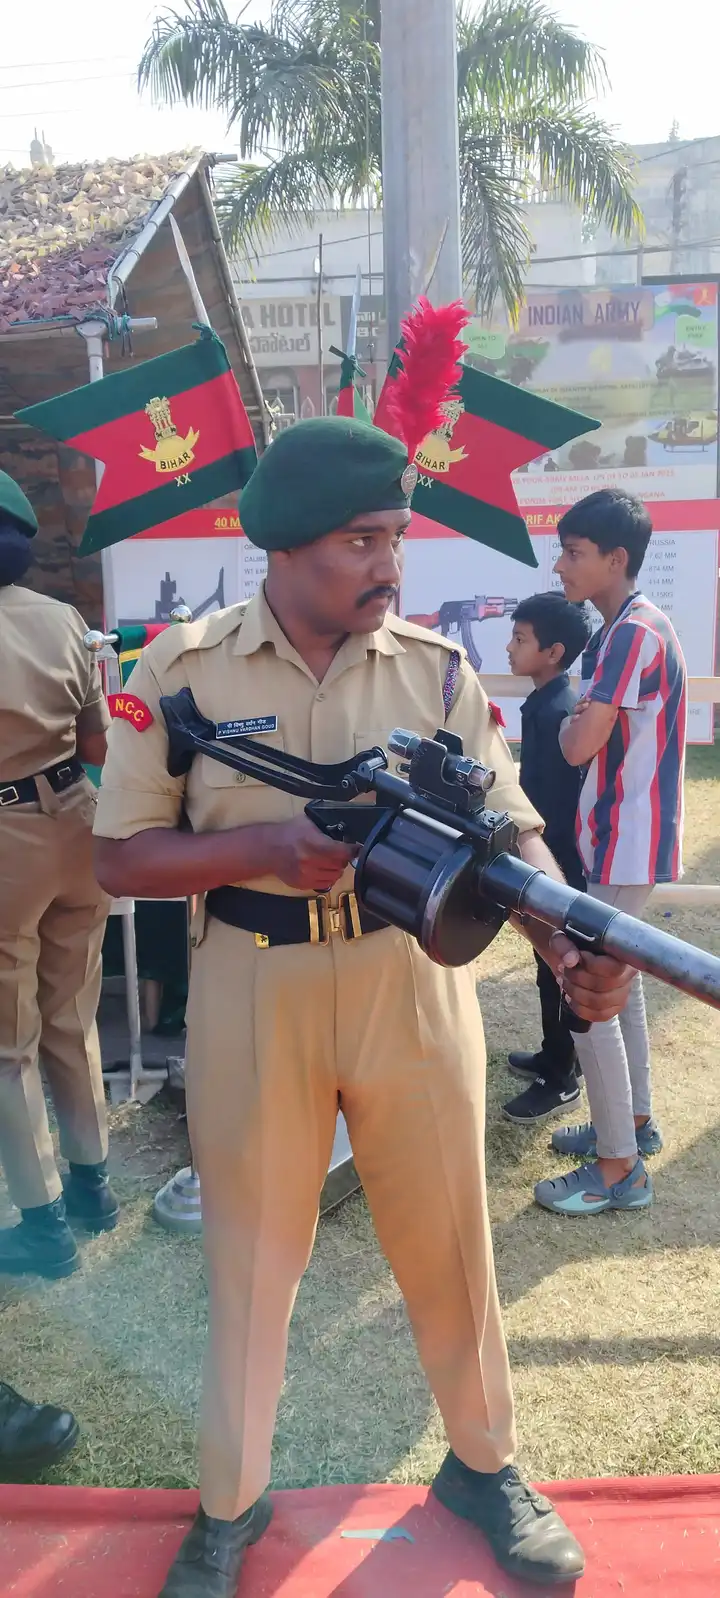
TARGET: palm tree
(302,94)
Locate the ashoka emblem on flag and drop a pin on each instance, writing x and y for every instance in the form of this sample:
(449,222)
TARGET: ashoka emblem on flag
(171,453)
(435,454)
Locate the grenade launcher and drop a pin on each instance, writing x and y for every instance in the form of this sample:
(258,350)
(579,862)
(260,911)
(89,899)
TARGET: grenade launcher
(432,857)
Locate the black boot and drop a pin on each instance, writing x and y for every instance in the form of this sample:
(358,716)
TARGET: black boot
(526,1534)
(42,1245)
(209,1562)
(32,1436)
(89,1198)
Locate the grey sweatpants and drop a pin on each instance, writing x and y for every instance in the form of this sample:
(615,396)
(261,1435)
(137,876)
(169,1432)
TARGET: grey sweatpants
(615,1055)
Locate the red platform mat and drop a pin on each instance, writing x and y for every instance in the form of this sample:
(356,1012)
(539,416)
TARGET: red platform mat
(641,1537)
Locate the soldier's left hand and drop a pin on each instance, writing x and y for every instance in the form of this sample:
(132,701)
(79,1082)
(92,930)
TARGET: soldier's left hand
(596,986)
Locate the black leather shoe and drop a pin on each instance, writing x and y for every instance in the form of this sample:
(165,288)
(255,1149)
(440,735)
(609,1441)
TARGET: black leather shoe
(89,1198)
(211,1557)
(32,1436)
(526,1534)
(42,1244)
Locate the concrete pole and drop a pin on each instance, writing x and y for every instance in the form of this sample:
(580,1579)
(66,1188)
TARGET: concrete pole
(421,188)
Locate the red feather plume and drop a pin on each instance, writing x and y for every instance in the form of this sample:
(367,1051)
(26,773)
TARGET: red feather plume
(430,351)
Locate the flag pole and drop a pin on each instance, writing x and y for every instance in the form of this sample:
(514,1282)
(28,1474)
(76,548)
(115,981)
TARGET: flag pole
(186,264)
(354,314)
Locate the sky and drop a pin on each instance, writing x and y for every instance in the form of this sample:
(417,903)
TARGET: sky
(69,69)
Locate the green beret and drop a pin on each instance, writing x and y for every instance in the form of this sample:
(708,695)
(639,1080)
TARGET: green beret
(317,476)
(15,506)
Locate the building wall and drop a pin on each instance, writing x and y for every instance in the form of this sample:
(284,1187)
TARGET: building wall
(656,166)
(280,283)
(60,485)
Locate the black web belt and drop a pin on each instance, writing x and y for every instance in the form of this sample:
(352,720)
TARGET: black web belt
(277,919)
(25,791)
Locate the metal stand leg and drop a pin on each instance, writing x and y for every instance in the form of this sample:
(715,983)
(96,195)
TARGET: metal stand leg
(132,996)
(177,1206)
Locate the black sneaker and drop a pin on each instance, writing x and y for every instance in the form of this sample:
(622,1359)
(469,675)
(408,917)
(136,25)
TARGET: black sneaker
(526,1534)
(525,1065)
(540,1101)
(529,1066)
(89,1198)
(210,1559)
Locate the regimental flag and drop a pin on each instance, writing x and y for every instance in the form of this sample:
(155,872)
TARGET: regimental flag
(132,641)
(172,432)
(350,402)
(490,429)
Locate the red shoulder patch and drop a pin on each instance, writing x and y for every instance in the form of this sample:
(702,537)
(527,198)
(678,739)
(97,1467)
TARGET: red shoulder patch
(496,714)
(127,707)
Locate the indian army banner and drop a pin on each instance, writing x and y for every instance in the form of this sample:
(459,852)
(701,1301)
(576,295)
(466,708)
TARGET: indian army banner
(172,432)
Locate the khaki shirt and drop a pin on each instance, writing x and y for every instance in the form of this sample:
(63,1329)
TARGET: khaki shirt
(49,684)
(238,664)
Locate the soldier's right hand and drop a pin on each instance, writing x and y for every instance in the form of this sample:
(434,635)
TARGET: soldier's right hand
(306,858)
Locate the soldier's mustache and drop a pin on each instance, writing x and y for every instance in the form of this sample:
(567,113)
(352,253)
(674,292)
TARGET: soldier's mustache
(387,591)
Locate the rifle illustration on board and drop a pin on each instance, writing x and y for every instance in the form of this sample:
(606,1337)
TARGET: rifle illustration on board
(456,619)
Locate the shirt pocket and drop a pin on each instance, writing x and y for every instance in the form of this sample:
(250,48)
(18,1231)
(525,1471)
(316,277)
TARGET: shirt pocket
(218,797)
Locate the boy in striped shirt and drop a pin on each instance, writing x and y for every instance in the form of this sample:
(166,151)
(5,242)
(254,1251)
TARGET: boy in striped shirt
(628,731)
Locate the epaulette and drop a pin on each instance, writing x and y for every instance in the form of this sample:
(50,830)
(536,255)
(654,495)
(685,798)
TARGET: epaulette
(185,637)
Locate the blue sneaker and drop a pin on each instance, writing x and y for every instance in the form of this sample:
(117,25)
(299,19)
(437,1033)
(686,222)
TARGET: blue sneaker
(583,1192)
(581,1141)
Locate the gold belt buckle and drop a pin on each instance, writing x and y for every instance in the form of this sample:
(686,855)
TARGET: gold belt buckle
(350,904)
(328,920)
(319,916)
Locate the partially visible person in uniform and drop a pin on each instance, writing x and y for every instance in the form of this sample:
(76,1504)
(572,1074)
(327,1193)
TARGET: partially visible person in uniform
(300,1000)
(53,716)
(33,1437)
(547,637)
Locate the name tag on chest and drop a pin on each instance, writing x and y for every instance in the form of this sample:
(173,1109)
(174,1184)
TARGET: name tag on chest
(249,727)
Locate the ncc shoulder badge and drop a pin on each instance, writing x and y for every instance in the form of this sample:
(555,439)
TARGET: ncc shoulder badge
(127,707)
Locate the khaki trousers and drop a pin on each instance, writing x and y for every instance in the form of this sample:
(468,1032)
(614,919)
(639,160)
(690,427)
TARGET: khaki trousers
(52,919)
(275,1038)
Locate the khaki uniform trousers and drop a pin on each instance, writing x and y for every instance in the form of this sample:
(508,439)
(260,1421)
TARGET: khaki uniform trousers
(276,1038)
(52,919)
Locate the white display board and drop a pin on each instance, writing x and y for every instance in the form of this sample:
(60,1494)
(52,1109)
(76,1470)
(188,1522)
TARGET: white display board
(680,575)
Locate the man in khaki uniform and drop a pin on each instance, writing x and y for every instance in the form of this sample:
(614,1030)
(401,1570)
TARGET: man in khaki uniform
(52,914)
(299,1000)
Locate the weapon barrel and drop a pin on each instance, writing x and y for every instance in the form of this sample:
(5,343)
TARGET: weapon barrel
(517,887)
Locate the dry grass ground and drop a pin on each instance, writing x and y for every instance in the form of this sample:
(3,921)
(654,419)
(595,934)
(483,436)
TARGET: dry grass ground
(611,1322)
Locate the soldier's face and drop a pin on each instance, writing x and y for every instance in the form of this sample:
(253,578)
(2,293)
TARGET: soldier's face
(347,581)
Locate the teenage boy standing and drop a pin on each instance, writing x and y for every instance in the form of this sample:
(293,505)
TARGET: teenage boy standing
(548,635)
(628,730)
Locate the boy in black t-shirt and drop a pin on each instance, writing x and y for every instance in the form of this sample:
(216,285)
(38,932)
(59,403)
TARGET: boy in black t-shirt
(548,635)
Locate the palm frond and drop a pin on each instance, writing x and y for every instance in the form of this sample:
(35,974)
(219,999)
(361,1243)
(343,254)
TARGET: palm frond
(270,85)
(495,239)
(576,155)
(339,19)
(254,202)
(513,49)
(302,93)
